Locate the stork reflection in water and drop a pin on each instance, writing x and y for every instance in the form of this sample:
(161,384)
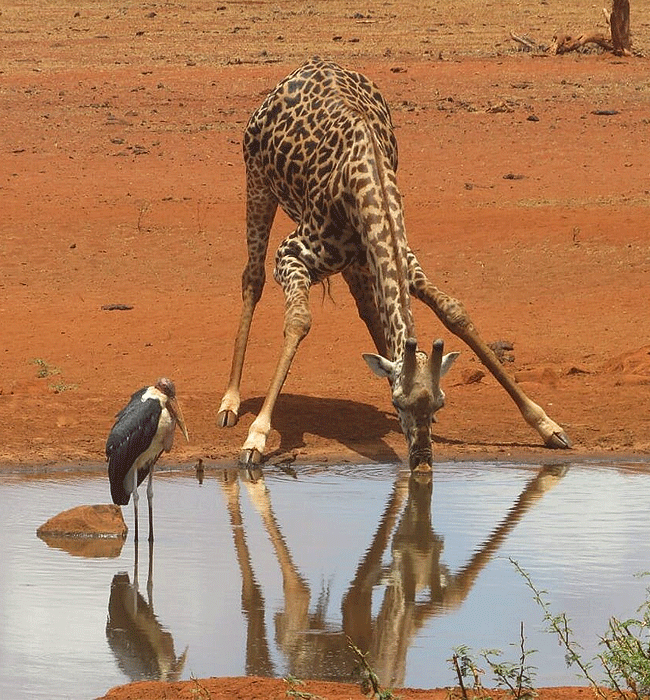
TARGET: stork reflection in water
(143,648)
(143,430)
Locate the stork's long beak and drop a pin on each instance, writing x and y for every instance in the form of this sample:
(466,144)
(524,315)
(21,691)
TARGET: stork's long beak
(175,410)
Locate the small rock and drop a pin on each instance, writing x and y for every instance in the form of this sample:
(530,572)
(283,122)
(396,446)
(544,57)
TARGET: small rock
(503,349)
(472,376)
(86,521)
(575,369)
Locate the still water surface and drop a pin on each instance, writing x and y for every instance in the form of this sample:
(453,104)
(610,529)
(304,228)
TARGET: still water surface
(269,577)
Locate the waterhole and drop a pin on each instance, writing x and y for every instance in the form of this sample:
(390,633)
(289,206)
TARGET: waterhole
(271,575)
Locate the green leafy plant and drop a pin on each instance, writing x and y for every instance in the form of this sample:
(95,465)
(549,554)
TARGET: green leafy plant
(199,691)
(466,669)
(559,625)
(60,387)
(369,683)
(626,658)
(47,370)
(516,678)
(293,689)
(44,369)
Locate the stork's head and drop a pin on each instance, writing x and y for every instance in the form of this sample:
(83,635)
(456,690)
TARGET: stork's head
(415,385)
(166,386)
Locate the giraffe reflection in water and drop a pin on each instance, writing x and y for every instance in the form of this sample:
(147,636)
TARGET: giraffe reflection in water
(143,648)
(416,584)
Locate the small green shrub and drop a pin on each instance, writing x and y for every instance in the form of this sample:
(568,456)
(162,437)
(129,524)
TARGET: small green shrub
(626,658)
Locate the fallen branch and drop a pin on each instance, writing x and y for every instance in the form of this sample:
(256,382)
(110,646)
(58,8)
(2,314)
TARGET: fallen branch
(527,43)
(619,43)
(563,43)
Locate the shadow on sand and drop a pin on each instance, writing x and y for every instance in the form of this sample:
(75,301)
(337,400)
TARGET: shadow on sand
(359,426)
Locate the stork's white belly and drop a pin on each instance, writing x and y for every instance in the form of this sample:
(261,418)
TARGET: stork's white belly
(162,442)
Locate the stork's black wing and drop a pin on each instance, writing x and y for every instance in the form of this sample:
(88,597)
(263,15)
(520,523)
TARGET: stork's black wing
(134,429)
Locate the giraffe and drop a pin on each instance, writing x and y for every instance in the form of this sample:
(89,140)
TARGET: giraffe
(322,147)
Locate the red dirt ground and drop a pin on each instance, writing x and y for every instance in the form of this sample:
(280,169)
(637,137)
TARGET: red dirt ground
(525,182)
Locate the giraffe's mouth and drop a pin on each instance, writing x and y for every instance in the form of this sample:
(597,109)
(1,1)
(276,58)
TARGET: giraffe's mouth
(421,461)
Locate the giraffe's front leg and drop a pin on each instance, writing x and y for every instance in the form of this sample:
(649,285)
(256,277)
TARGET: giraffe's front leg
(454,316)
(261,206)
(229,410)
(294,277)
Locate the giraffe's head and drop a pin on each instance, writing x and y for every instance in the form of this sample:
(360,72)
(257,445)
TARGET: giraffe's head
(415,386)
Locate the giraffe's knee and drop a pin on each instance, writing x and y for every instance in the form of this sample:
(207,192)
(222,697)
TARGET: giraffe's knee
(455,313)
(298,324)
(252,282)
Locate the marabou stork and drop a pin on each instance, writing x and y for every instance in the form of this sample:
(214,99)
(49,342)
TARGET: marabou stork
(143,430)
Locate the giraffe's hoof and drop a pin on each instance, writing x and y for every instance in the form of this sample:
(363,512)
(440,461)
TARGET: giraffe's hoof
(559,441)
(249,457)
(227,419)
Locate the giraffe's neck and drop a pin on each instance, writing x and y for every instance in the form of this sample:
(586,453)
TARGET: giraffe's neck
(378,206)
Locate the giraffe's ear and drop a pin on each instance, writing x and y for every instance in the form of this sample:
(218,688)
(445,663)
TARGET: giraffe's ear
(379,365)
(447,361)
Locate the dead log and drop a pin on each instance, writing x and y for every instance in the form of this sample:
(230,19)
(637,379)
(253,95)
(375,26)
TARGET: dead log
(563,42)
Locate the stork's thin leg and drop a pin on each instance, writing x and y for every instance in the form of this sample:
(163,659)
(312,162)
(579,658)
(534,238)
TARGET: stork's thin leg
(261,206)
(295,280)
(150,575)
(150,501)
(453,315)
(134,492)
(136,584)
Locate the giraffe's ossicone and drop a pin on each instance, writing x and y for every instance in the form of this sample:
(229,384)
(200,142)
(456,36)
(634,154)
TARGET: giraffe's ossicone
(322,147)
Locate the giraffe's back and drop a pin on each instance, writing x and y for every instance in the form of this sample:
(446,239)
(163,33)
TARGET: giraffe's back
(301,135)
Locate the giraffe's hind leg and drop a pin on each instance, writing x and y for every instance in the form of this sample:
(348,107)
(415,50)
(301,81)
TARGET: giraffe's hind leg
(453,315)
(261,206)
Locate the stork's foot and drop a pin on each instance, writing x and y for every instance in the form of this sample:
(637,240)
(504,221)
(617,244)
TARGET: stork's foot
(227,419)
